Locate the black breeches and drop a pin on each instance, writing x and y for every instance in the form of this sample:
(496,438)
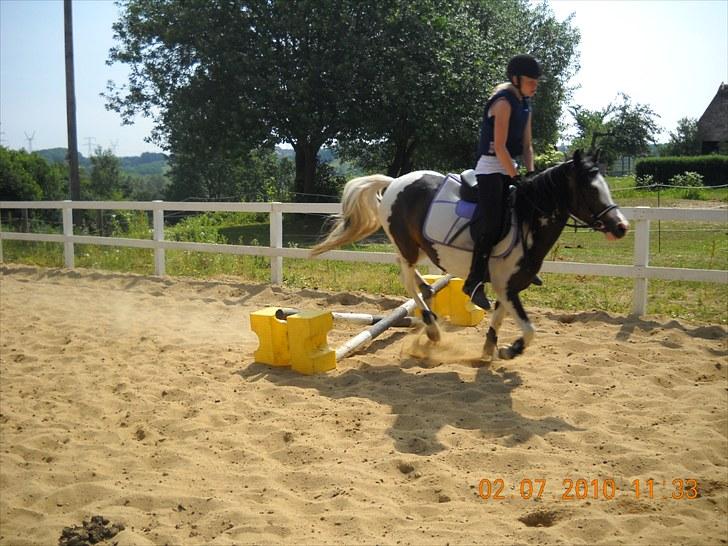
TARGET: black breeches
(491,189)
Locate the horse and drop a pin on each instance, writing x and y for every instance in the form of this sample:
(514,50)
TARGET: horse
(539,209)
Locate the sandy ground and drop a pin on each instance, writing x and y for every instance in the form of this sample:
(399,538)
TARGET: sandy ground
(137,398)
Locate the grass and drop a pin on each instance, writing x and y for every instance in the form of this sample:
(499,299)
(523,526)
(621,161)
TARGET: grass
(672,244)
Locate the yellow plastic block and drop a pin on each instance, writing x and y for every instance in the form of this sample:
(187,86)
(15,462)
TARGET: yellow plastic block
(272,336)
(307,343)
(452,302)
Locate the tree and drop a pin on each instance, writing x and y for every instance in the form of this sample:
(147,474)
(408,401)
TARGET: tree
(258,175)
(105,181)
(684,140)
(619,129)
(443,62)
(28,177)
(222,78)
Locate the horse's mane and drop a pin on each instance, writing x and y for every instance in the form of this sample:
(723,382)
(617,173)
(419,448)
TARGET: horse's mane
(544,192)
(549,190)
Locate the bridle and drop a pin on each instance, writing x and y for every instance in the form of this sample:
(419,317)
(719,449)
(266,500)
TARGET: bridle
(595,222)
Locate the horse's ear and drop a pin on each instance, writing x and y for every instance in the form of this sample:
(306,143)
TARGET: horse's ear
(598,155)
(577,156)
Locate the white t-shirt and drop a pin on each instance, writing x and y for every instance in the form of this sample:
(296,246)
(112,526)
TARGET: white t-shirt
(489,164)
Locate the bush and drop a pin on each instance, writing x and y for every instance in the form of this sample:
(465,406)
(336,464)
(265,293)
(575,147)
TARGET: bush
(645,181)
(691,182)
(713,168)
(687,179)
(548,159)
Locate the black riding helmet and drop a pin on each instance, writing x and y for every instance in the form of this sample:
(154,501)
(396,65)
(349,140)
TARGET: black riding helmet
(523,65)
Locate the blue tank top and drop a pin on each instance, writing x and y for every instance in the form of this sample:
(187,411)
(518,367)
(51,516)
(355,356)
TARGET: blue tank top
(520,111)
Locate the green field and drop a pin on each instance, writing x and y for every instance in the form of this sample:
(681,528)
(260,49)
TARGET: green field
(672,244)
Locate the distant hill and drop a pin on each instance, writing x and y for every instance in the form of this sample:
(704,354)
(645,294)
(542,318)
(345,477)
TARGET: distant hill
(145,164)
(157,163)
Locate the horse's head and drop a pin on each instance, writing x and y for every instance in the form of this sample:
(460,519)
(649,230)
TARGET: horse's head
(591,202)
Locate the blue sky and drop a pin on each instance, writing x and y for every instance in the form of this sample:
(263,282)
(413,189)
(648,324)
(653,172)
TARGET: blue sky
(670,54)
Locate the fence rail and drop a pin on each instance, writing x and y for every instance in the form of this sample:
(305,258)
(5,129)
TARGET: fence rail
(640,270)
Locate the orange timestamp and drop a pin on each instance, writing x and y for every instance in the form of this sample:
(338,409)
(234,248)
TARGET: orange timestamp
(575,489)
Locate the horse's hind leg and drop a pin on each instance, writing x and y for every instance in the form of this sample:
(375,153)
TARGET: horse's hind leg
(425,287)
(410,275)
(512,303)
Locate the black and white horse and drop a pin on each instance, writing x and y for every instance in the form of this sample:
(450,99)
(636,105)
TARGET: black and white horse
(540,209)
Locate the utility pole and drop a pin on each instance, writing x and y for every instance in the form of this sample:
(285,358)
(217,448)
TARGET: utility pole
(74,182)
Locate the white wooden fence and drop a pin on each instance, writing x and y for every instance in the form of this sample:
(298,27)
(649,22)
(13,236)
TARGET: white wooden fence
(640,217)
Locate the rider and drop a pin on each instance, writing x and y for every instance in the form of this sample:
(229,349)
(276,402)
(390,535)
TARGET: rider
(504,134)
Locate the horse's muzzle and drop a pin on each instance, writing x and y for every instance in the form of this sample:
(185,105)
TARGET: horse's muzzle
(616,228)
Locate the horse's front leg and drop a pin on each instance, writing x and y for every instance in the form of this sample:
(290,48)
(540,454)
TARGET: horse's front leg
(491,338)
(512,303)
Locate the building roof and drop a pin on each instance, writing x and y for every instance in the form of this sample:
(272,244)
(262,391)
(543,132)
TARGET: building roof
(713,124)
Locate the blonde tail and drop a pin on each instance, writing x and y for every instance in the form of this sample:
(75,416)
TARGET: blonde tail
(359,218)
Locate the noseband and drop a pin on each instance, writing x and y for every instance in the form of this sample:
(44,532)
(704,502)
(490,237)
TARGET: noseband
(595,223)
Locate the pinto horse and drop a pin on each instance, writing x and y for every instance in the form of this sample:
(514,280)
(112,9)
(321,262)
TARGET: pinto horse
(539,209)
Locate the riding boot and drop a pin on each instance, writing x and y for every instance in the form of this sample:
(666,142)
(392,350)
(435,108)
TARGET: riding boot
(537,281)
(474,285)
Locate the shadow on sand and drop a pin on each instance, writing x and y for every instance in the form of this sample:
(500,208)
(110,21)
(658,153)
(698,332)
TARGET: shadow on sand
(426,400)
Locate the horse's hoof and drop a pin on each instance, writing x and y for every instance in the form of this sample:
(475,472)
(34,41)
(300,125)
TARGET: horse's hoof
(505,354)
(433,333)
(515,349)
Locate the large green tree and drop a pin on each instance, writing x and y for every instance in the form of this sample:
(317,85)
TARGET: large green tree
(442,63)
(222,77)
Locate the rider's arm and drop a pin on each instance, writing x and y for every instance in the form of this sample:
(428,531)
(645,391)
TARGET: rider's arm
(501,111)
(528,146)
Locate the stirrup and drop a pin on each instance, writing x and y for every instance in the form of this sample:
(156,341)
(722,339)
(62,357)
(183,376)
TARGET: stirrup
(478,297)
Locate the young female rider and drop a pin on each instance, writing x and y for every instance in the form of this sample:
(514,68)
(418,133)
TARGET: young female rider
(504,134)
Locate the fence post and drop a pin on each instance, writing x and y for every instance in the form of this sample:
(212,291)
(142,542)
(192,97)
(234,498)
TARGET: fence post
(158,224)
(276,241)
(68,253)
(641,261)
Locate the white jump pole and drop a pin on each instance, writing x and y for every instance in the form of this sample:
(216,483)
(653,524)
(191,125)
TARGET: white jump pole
(343,316)
(398,314)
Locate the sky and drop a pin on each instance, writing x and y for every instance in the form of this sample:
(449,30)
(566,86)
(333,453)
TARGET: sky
(669,54)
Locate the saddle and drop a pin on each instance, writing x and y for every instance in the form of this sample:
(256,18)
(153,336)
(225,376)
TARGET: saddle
(455,209)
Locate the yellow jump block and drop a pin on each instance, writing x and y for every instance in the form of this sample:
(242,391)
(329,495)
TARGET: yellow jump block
(452,302)
(299,342)
(307,332)
(272,338)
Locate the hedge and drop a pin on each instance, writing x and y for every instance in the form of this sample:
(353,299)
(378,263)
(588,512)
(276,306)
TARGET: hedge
(714,168)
